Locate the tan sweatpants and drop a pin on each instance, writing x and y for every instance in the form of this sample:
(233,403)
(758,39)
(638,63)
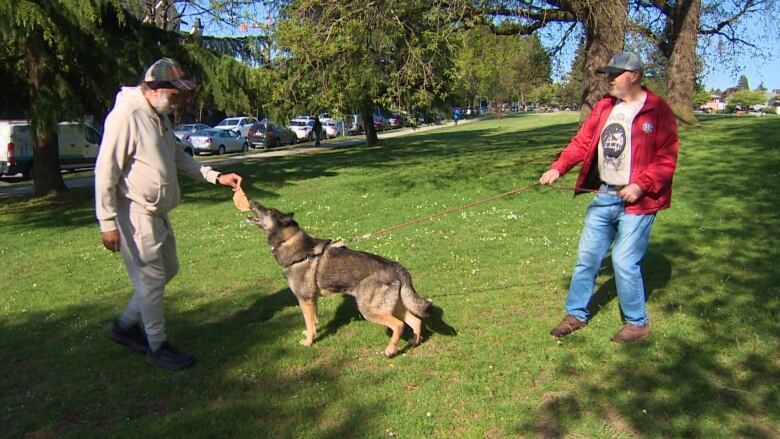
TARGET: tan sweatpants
(148,247)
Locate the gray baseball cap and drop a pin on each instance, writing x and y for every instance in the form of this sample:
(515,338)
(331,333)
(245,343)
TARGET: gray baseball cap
(621,62)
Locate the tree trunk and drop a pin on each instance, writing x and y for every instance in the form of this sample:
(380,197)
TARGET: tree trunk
(682,27)
(366,114)
(605,28)
(47,179)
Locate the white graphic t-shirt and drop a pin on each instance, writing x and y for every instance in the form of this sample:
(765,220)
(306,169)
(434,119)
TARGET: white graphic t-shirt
(615,142)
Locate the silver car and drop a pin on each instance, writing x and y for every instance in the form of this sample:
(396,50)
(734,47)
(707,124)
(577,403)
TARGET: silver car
(218,141)
(188,129)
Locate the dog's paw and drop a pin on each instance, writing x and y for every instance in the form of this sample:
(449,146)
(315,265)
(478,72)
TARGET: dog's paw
(389,353)
(306,342)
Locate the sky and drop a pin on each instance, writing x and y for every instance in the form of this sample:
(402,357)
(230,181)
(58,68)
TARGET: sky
(755,70)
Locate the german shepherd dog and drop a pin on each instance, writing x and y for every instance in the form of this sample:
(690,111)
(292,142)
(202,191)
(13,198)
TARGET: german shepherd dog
(313,267)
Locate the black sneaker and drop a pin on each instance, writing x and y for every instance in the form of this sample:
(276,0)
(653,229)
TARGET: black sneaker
(168,357)
(134,338)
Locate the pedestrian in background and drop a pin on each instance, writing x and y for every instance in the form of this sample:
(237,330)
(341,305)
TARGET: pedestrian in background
(628,149)
(317,130)
(135,188)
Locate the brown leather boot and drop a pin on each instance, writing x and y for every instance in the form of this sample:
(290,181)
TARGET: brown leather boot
(567,326)
(631,333)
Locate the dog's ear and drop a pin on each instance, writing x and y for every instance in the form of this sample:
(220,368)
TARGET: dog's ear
(287,219)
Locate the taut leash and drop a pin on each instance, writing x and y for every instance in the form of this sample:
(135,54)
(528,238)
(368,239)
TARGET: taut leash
(466,206)
(443,212)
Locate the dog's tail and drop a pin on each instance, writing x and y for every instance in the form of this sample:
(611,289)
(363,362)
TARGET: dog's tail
(411,300)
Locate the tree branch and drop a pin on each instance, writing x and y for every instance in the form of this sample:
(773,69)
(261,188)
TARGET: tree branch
(747,7)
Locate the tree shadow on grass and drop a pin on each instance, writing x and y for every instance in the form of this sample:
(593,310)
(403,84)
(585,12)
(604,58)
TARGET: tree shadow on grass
(348,312)
(713,370)
(459,150)
(656,273)
(62,376)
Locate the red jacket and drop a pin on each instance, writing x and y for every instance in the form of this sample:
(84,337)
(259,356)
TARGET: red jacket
(654,146)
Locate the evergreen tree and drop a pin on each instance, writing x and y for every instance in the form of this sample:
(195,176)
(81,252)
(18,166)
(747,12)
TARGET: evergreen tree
(65,59)
(743,84)
(50,44)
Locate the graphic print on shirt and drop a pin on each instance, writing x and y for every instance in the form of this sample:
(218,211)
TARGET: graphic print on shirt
(613,143)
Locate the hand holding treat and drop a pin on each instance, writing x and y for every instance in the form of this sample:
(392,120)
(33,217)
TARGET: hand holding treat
(240,200)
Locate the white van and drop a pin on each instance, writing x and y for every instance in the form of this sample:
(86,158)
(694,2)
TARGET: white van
(78,142)
(238,123)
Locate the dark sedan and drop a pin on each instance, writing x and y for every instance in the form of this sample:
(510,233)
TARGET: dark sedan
(277,136)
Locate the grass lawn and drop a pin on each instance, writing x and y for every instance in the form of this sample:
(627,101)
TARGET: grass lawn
(498,274)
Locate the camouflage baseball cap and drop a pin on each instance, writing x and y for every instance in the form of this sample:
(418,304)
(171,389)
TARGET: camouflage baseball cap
(167,73)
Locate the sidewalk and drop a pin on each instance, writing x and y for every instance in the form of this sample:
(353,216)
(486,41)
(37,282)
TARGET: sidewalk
(7,191)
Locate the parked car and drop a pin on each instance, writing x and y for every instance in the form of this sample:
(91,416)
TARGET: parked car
(277,136)
(218,141)
(186,145)
(353,124)
(78,145)
(187,129)
(395,121)
(332,128)
(380,123)
(303,128)
(240,124)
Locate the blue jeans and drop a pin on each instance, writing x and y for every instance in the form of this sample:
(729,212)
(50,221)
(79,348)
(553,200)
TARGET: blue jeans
(605,222)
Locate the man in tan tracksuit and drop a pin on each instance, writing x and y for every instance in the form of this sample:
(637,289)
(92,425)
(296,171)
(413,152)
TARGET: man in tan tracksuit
(135,187)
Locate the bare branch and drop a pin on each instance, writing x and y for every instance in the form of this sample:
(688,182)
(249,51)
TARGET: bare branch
(558,47)
(748,7)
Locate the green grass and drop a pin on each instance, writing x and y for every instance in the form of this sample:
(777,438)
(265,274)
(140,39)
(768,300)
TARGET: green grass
(497,272)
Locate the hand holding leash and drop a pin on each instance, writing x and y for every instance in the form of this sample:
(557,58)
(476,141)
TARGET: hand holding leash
(549,176)
(631,193)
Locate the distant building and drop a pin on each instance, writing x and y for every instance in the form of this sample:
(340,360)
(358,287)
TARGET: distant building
(716,104)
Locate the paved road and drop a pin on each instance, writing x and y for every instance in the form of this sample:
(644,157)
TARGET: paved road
(8,191)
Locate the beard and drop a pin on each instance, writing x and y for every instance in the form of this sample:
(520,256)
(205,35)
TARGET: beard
(617,91)
(162,104)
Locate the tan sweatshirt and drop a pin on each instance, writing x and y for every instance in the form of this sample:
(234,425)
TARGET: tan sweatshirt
(138,161)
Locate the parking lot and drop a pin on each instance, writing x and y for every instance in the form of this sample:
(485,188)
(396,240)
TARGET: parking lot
(14,186)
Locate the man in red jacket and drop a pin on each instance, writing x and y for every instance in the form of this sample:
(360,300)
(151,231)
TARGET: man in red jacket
(628,150)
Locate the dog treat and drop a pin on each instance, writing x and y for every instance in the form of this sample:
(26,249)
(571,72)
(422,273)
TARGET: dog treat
(240,200)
